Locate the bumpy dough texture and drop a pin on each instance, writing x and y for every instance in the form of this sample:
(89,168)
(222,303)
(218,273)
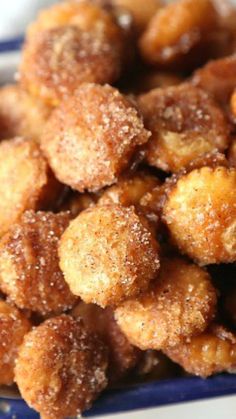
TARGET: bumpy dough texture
(176,29)
(61,369)
(91,138)
(13,326)
(129,190)
(185,124)
(29,264)
(108,254)
(180,304)
(25,181)
(123,356)
(218,78)
(212,352)
(71,43)
(21,114)
(200,213)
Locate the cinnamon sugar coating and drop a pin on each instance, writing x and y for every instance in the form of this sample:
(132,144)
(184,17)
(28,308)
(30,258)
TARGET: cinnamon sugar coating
(108,254)
(21,114)
(71,43)
(123,356)
(61,369)
(13,326)
(212,352)
(185,124)
(200,213)
(180,304)
(218,78)
(86,15)
(26,181)
(91,138)
(29,265)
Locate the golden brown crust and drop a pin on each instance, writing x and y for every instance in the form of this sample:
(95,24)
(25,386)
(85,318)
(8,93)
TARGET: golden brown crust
(185,124)
(56,62)
(61,369)
(13,326)
(180,304)
(29,265)
(21,114)
(212,352)
(218,78)
(69,44)
(90,139)
(174,30)
(86,15)
(25,181)
(123,356)
(129,190)
(108,254)
(200,213)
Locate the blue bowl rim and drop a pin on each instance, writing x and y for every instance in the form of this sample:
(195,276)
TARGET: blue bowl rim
(144,396)
(11,44)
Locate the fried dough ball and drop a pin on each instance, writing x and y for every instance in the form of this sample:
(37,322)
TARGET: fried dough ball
(29,267)
(200,213)
(25,181)
(21,114)
(61,369)
(71,43)
(108,254)
(179,305)
(174,30)
(122,355)
(13,326)
(212,352)
(218,78)
(232,153)
(86,15)
(142,11)
(91,138)
(185,124)
(129,190)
